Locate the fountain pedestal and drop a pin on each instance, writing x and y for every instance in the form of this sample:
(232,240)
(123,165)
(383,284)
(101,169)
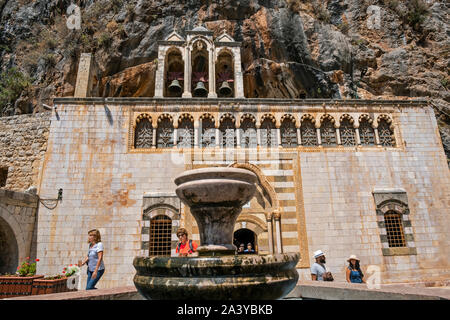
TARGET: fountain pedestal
(215,197)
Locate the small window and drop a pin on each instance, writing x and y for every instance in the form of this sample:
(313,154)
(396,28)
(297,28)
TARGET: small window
(394,229)
(308,133)
(366,133)
(3,176)
(386,134)
(164,134)
(143,134)
(160,236)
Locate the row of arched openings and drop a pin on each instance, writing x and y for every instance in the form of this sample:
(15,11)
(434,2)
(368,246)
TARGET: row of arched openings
(290,136)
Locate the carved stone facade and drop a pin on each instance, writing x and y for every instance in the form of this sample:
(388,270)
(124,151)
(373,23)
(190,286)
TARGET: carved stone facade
(310,195)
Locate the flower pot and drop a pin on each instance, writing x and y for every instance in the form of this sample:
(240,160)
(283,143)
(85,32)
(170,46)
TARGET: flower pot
(14,286)
(47,286)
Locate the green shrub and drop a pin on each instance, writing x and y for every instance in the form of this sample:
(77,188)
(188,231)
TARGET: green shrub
(417,10)
(105,40)
(12,83)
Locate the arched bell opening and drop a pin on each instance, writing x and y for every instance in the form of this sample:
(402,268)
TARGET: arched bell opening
(225,74)
(174,74)
(200,69)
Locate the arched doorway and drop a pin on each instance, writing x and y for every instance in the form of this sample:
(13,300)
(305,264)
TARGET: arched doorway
(9,250)
(245,236)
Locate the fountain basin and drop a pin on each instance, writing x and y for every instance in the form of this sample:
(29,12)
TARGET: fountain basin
(216,186)
(232,277)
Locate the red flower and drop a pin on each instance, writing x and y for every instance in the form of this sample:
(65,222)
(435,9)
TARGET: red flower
(64,272)
(28,258)
(37,260)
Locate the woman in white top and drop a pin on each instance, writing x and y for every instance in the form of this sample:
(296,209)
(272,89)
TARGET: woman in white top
(94,259)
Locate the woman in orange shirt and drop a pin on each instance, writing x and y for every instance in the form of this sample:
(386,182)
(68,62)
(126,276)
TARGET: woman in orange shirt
(185,247)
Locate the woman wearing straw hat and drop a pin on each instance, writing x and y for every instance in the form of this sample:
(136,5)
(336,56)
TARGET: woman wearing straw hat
(353,272)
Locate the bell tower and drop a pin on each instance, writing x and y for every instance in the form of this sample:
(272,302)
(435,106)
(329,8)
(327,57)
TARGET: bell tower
(199,66)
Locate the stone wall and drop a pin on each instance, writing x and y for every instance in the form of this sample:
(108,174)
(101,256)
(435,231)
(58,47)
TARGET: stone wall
(331,205)
(341,210)
(23,142)
(17,225)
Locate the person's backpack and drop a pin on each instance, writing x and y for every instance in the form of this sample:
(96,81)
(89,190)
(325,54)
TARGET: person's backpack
(327,276)
(191,249)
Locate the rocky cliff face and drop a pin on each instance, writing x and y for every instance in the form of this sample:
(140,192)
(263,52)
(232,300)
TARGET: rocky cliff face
(290,48)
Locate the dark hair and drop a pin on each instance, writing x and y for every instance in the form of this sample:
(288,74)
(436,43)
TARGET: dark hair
(357,267)
(182,231)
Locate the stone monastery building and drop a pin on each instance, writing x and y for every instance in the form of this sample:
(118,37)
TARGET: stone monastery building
(363,177)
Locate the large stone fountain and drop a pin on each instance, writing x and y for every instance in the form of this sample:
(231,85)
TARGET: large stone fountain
(215,197)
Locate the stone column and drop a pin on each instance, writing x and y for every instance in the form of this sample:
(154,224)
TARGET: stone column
(338,136)
(154,138)
(238,78)
(358,138)
(217,138)
(187,73)
(212,74)
(319,140)
(238,137)
(196,135)
(277,217)
(175,136)
(299,137)
(270,232)
(83,86)
(159,80)
(258,135)
(377,137)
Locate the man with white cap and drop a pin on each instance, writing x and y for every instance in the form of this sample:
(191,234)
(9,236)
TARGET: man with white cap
(318,270)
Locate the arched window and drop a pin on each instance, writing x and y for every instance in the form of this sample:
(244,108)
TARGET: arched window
(366,132)
(185,133)
(164,133)
(348,135)
(227,132)
(143,134)
(386,133)
(394,229)
(268,133)
(248,132)
(328,132)
(288,132)
(160,236)
(308,133)
(208,136)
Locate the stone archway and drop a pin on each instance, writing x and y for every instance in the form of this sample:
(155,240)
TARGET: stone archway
(245,236)
(9,249)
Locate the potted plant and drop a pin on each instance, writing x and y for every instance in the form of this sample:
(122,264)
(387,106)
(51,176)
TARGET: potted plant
(55,284)
(19,284)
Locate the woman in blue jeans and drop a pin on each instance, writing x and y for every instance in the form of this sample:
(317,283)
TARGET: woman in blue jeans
(94,260)
(353,272)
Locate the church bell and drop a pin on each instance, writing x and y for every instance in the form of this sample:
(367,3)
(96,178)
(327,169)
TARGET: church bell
(175,87)
(225,89)
(200,89)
